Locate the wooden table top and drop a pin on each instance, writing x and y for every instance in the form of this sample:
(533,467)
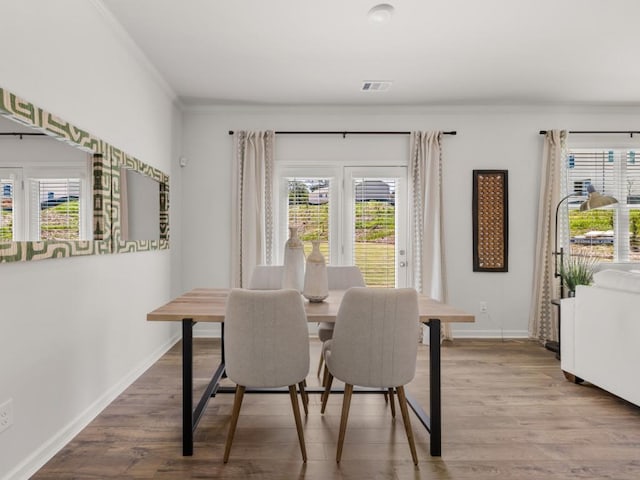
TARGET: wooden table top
(209,304)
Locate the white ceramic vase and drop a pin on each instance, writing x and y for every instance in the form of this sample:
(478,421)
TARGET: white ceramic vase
(293,276)
(316,284)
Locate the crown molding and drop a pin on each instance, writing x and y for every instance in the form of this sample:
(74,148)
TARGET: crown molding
(132,47)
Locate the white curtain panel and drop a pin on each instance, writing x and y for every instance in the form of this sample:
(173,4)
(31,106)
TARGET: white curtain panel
(542,324)
(252,204)
(425,167)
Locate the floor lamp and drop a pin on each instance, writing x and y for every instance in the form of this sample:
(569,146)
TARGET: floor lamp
(594,200)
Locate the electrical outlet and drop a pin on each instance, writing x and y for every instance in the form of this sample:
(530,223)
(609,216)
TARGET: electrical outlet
(6,415)
(483,307)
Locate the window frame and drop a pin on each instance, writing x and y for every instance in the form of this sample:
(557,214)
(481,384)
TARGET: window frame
(621,211)
(23,206)
(401,217)
(18,192)
(339,230)
(288,171)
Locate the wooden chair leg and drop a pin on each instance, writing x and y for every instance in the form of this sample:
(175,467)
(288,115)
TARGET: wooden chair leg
(305,397)
(346,403)
(320,363)
(402,401)
(235,413)
(296,413)
(325,394)
(325,375)
(392,403)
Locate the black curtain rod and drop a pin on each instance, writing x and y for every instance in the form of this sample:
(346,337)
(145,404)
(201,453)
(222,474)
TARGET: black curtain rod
(345,133)
(600,132)
(22,134)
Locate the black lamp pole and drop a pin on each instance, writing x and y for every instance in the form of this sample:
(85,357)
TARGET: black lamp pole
(594,200)
(560,253)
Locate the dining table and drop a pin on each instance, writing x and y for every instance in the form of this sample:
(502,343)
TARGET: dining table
(209,305)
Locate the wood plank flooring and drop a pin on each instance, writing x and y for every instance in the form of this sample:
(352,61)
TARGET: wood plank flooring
(508,413)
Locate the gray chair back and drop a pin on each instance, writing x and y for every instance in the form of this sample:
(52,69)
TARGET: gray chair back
(375,340)
(266,338)
(266,277)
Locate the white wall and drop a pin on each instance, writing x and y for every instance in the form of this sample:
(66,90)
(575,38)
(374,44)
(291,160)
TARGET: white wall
(488,138)
(72,331)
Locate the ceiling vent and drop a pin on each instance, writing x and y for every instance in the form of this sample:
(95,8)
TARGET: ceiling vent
(375,85)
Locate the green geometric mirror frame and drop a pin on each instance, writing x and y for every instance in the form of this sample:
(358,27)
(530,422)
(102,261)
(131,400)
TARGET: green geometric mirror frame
(15,108)
(119,160)
(107,161)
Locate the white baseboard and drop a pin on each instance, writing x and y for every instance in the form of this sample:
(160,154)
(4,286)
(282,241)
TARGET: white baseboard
(495,333)
(42,455)
(206,330)
(212,330)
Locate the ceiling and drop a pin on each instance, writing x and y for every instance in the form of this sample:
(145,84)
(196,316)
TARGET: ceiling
(436,52)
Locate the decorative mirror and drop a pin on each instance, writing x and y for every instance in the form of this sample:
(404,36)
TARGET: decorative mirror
(140,193)
(87,200)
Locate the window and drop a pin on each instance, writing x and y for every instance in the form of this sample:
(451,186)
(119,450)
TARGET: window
(45,204)
(54,209)
(353,211)
(612,233)
(8,178)
(308,210)
(376,228)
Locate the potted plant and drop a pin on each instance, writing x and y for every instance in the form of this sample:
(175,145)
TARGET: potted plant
(577,270)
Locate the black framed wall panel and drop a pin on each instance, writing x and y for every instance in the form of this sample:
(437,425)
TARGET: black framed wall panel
(490,221)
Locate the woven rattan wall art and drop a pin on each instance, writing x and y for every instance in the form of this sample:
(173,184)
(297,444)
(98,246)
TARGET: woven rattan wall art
(490,221)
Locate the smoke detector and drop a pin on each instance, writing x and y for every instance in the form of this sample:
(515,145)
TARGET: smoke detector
(376,85)
(381,13)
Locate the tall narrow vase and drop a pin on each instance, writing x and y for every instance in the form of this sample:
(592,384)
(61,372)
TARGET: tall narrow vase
(293,276)
(316,284)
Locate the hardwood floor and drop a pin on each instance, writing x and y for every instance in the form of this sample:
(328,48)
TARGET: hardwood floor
(508,413)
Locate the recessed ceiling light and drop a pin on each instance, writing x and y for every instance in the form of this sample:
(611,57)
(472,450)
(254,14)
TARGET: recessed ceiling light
(381,13)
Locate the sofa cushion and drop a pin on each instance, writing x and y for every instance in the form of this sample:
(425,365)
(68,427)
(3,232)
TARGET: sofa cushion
(617,280)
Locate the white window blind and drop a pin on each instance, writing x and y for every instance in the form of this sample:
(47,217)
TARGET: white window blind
(7,188)
(374,229)
(54,209)
(308,210)
(613,233)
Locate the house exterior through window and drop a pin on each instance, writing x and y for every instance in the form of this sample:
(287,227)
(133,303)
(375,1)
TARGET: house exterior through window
(358,212)
(610,234)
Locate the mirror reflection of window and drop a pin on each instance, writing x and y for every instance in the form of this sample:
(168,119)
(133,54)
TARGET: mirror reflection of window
(45,187)
(140,206)
(7,220)
(54,209)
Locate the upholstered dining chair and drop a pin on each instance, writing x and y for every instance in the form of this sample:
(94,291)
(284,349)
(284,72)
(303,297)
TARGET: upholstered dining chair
(266,277)
(340,277)
(374,344)
(266,345)
(270,277)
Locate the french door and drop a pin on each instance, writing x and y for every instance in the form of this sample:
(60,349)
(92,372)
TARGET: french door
(359,212)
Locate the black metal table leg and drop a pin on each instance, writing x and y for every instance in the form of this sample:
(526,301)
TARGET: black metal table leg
(435,387)
(433,421)
(224,374)
(187,387)
(191,417)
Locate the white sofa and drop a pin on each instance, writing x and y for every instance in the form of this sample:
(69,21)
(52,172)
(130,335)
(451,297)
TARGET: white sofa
(600,334)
